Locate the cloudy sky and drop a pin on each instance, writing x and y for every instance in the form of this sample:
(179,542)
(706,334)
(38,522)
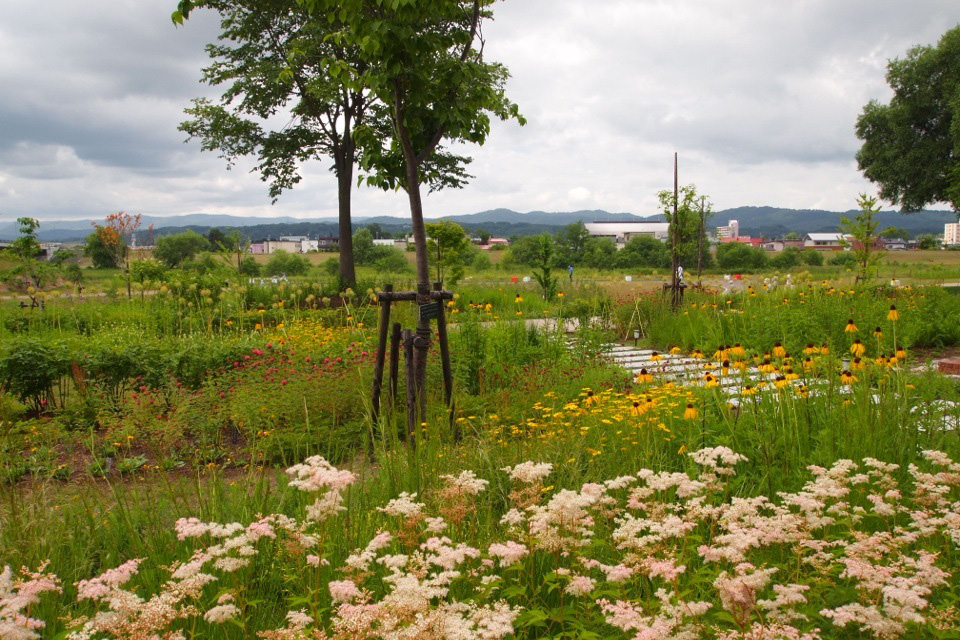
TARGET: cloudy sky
(758,97)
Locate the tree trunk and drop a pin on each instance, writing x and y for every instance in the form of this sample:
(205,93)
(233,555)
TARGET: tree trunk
(348,276)
(421,342)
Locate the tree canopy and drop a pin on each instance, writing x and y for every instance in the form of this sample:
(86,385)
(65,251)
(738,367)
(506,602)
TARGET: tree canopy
(291,95)
(911,146)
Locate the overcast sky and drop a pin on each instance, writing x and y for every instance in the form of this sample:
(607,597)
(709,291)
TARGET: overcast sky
(758,97)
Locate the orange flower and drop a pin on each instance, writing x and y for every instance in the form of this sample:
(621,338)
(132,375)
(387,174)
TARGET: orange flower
(690,413)
(850,328)
(893,316)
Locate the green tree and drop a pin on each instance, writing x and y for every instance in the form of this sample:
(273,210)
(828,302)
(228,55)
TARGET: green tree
(483,235)
(277,56)
(911,146)
(791,235)
(543,261)
(448,247)
(740,256)
(599,253)
(100,256)
(523,250)
(571,241)
(392,261)
(860,235)
(216,238)
(787,259)
(644,251)
(927,241)
(682,211)
(286,263)
(895,233)
(30,273)
(176,249)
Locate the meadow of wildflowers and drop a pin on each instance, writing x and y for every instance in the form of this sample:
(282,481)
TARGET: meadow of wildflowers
(800,482)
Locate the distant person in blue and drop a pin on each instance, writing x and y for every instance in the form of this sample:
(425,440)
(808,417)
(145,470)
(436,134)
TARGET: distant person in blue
(570,271)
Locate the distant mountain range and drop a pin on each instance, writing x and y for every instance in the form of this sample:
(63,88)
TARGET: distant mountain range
(767,222)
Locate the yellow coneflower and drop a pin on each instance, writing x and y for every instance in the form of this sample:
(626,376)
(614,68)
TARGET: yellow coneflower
(824,349)
(847,378)
(725,367)
(780,382)
(690,413)
(590,399)
(808,364)
(779,351)
(802,391)
(737,350)
(720,354)
(789,374)
(697,354)
(740,364)
(857,364)
(488,307)
(655,357)
(560,294)
(893,316)
(710,381)
(637,409)
(850,328)
(857,348)
(892,361)
(518,299)
(675,350)
(767,366)
(644,377)
(748,391)
(880,360)
(877,333)
(810,349)
(519,313)
(901,353)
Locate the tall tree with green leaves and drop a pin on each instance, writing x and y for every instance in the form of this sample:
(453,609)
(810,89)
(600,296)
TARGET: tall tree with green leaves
(30,274)
(448,246)
(291,95)
(911,146)
(682,210)
(424,63)
(860,235)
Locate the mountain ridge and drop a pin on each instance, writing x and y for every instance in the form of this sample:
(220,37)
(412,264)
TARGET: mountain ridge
(766,221)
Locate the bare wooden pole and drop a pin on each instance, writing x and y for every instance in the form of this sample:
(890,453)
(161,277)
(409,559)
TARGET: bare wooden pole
(703,200)
(675,238)
(394,363)
(382,331)
(410,366)
(445,363)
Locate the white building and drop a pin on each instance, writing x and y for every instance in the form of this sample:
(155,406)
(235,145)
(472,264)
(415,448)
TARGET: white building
(825,241)
(951,234)
(622,232)
(384,242)
(732,230)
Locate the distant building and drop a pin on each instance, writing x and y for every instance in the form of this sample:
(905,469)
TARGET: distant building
(290,246)
(622,232)
(824,241)
(951,234)
(257,248)
(893,244)
(383,242)
(732,230)
(493,242)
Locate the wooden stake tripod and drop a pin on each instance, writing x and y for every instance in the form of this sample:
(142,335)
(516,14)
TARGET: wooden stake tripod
(430,305)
